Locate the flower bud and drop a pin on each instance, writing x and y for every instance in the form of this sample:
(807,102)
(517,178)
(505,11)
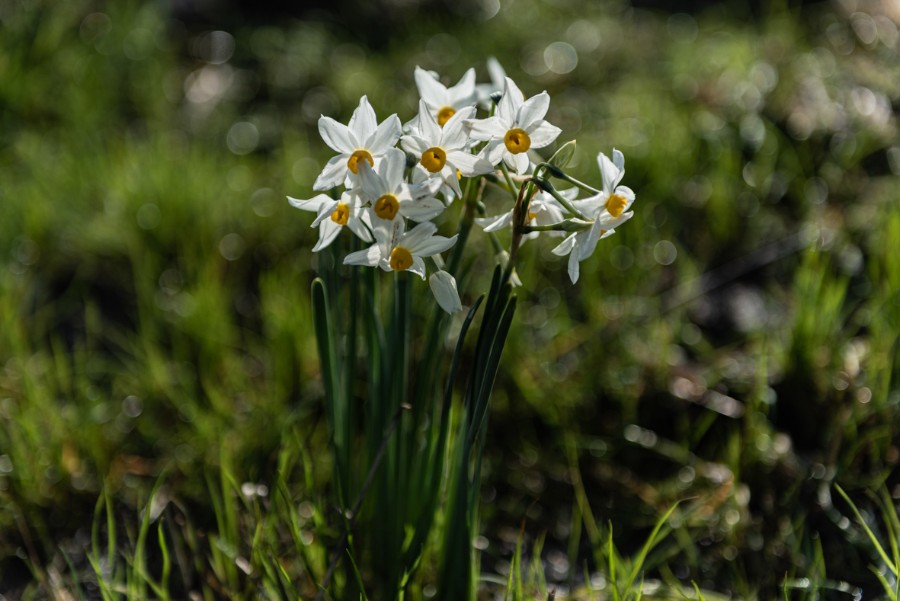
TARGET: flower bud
(443,286)
(563,156)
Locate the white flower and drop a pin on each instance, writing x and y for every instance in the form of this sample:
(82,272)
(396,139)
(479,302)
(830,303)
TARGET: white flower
(607,210)
(398,250)
(363,139)
(542,210)
(444,102)
(333,215)
(444,150)
(391,196)
(498,81)
(517,127)
(443,286)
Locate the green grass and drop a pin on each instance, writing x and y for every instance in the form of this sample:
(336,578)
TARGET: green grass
(157,349)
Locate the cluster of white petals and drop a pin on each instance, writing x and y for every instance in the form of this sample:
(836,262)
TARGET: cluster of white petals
(391,196)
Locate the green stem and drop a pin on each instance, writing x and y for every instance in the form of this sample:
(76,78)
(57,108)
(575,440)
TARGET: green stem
(509,181)
(547,187)
(560,174)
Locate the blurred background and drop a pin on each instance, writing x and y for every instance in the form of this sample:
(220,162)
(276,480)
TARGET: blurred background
(735,345)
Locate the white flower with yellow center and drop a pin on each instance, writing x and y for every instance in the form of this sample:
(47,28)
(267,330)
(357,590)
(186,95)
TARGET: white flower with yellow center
(498,80)
(608,210)
(444,102)
(517,127)
(542,210)
(391,197)
(443,151)
(334,215)
(361,140)
(398,250)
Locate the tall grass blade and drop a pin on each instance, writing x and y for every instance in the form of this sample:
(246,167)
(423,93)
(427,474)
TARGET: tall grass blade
(872,538)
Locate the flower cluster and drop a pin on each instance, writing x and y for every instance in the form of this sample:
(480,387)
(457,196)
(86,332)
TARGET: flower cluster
(391,196)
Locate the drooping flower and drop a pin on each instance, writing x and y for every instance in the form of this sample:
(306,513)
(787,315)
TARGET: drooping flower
(334,215)
(517,127)
(608,210)
(443,151)
(398,250)
(391,197)
(362,139)
(444,102)
(443,286)
(542,210)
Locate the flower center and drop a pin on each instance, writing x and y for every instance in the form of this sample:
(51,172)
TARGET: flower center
(353,161)
(434,159)
(517,141)
(387,206)
(531,216)
(401,259)
(444,115)
(615,204)
(341,214)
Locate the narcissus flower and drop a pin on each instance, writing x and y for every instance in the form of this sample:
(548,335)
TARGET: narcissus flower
(398,250)
(542,210)
(607,210)
(391,197)
(363,139)
(334,215)
(444,102)
(443,151)
(517,127)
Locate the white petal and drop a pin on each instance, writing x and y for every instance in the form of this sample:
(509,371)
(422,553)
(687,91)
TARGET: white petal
(469,164)
(336,135)
(533,110)
(493,152)
(522,162)
(609,173)
(493,224)
(496,72)
(313,204)
(414,237)
(328,231)
(564,247)
(455,134)
(588,241)
(432,245)
(333,173)
(486,129)
(414,144)
(428,126)
(368,256)
(443,286)
(510,102)
(542,134)
(384,136)
(363,122)
(372,184)
(418,267)
(463,93)
(430,89)
(619,160)
(325,211)
(573,268)
(392,167)
(357,226)
(422,210)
